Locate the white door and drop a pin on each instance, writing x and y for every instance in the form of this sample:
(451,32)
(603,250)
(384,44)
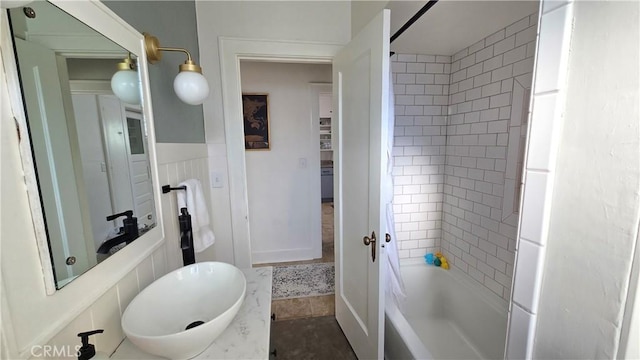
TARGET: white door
(360,85)
(94,165)
(139,168)
(53,157)
(113,114)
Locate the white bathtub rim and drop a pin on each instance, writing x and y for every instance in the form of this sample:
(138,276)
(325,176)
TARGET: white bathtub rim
(411,340)
(491,298)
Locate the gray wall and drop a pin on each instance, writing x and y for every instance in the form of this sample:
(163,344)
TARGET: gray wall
(91,69)
(174,24)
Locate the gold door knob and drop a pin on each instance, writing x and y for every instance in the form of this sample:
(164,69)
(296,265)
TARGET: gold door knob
(371,241)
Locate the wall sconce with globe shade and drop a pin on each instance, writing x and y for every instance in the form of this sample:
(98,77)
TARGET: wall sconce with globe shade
(189,85)
(125,82)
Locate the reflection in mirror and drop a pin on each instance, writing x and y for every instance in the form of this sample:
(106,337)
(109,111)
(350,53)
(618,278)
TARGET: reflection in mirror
(89,147)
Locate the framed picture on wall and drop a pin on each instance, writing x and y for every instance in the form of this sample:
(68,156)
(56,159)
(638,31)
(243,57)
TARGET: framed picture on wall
(255,114)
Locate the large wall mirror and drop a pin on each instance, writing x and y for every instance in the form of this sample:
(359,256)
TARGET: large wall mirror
(90,148)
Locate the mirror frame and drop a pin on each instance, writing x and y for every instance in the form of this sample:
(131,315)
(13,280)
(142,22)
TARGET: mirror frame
(106,274)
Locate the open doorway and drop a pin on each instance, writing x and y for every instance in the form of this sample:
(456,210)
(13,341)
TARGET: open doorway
(290,209)
(283,172)
(322,95)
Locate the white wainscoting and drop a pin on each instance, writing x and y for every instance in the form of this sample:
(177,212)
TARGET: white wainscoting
(176,163)
(106,312)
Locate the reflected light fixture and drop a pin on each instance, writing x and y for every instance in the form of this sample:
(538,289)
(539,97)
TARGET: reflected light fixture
(125,82)
(190,86)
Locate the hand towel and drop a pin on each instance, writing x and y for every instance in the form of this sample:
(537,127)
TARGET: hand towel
(193,199)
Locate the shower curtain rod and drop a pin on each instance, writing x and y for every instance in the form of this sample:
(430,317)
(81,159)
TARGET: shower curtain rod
(413,19)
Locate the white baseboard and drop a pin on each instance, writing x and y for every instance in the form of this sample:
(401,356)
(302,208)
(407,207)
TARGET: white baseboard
(263,257)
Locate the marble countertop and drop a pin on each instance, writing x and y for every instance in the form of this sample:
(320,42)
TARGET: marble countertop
(247,337)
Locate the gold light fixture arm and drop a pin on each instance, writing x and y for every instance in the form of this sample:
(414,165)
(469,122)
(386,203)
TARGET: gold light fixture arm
(176,49)
(154,53)
(126,64)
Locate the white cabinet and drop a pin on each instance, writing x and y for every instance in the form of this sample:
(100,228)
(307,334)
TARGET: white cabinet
(326,146)
(325,134)
(324,101)
(325,105)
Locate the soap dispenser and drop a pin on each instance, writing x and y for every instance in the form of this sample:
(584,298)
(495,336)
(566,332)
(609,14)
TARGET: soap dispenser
(88,351)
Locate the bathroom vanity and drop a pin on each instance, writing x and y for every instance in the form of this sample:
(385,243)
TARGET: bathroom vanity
(247,337)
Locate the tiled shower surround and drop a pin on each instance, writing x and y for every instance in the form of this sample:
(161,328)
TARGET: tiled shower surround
(459,138)
(422,95)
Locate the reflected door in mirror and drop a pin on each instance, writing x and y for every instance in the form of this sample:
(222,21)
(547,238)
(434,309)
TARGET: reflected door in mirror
(140,169)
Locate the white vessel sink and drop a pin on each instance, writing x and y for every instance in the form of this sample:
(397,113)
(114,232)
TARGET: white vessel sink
(157,319)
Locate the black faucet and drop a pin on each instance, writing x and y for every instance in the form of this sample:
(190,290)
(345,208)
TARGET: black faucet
(186,237)
(129,232)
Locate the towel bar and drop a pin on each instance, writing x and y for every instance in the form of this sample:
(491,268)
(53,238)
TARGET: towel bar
(168,188)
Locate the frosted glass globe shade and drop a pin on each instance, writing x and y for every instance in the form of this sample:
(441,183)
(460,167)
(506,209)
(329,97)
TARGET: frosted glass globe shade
(191,87)
(125,85)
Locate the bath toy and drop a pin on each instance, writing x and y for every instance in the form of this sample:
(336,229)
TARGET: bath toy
(441,261)
(429,258)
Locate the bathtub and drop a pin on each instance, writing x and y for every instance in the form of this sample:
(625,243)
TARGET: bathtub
(445,316)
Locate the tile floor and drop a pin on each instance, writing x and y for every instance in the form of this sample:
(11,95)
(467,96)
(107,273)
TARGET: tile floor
(327,223)
(311,338)
(305,328)
(313,306)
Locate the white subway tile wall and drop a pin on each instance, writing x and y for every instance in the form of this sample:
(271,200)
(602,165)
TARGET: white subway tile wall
(452,124)
(421,85)
(477,237)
